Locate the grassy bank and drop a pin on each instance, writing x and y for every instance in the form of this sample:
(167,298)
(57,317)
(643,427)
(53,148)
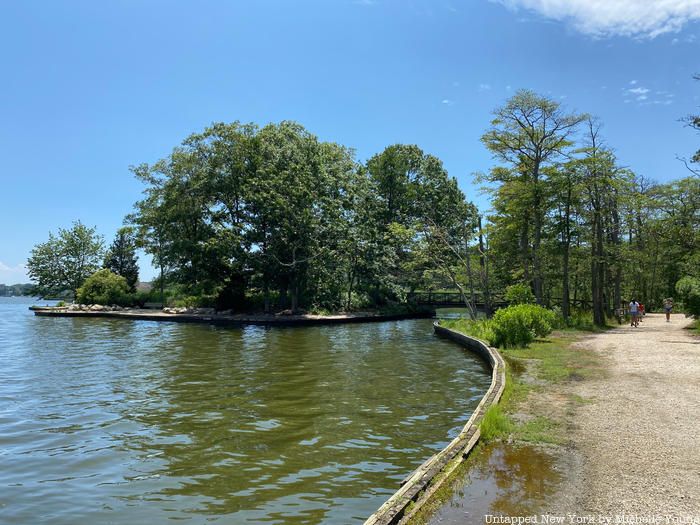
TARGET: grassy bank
(536,405)
(540,368)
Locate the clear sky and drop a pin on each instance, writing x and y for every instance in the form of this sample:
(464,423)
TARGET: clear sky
(89,88)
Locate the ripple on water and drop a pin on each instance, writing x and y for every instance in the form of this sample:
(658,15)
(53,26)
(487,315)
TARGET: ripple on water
(109,421)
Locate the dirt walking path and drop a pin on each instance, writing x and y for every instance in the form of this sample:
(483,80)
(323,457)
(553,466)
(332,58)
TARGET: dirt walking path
(638,439)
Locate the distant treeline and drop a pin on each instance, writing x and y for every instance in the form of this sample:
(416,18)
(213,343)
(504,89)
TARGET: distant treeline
(7,290)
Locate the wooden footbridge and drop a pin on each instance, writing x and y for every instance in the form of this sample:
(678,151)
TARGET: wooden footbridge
(452,300)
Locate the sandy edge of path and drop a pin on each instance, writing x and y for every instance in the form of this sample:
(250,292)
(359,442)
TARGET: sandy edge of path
(635,446)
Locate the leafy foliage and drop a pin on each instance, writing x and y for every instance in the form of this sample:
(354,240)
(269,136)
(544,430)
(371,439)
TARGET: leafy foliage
(688,289)
(581,231)
(105,288)
(513,327)
(517,326)
(519,293)
(272,216)
(529,133)
(64,261)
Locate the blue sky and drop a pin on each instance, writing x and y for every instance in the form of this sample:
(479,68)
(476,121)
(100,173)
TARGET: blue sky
(89,88)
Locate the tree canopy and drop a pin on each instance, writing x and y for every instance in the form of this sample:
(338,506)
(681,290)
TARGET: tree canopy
(245,217)
(576,227)
(64,261)
(272,216)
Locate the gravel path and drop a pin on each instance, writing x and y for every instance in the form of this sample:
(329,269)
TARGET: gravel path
(638,441)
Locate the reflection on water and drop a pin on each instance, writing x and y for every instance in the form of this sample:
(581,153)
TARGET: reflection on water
(506,481)
(113,421)
(457,313)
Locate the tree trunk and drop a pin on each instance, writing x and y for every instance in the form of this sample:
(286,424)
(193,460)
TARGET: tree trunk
(266,295)
(295,295)
(565,302)
(537,280)
(524,249)
(616,231)
(483,263)
(565,311)
(597,272)
(470,277)
(350,285)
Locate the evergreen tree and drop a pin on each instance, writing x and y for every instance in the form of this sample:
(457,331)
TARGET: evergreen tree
(121,257)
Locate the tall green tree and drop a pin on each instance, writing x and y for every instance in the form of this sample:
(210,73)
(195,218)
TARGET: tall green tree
(424,218)
(121,257)
(65,260)
(565,181)
(528,133)
(237,210)
(600,177)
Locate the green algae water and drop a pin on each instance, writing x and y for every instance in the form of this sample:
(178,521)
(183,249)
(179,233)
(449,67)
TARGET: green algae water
(114,421)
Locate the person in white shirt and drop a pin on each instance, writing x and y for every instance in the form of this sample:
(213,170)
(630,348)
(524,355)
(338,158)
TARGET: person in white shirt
(668,306)
(634,312)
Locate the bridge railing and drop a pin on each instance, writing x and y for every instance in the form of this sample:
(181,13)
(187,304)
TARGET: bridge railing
(448,298)
(454,298)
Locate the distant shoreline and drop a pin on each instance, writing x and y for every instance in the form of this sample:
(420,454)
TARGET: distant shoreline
(235,319)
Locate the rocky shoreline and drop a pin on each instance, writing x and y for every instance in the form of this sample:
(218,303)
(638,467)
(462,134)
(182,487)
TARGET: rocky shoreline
(209,315)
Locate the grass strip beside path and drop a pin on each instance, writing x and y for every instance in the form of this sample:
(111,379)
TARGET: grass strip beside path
(537,405)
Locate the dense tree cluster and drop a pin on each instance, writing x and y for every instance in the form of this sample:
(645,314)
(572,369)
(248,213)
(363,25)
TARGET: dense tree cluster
(575,225)
(244,217)
(62,264)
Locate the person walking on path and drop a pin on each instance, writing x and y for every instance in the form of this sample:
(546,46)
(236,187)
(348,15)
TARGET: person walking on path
(634,313)
(668,306)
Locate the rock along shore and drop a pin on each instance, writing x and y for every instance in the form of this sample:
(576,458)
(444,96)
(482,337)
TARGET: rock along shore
(209,315)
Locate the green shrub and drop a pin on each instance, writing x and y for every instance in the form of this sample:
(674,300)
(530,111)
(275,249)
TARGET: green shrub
(518,325)
(180,295)
(192,301)
(515,326)
(140,298)
(519,294)
(104,287)
(511,330)
(688,288)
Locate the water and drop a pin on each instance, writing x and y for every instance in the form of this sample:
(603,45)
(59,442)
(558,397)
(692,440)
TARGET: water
(115,421)
(503,480)
(457,313)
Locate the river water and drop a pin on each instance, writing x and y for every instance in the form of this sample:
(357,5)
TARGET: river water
(116,421)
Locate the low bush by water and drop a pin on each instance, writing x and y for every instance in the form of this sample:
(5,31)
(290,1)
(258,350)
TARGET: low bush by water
(513,327)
